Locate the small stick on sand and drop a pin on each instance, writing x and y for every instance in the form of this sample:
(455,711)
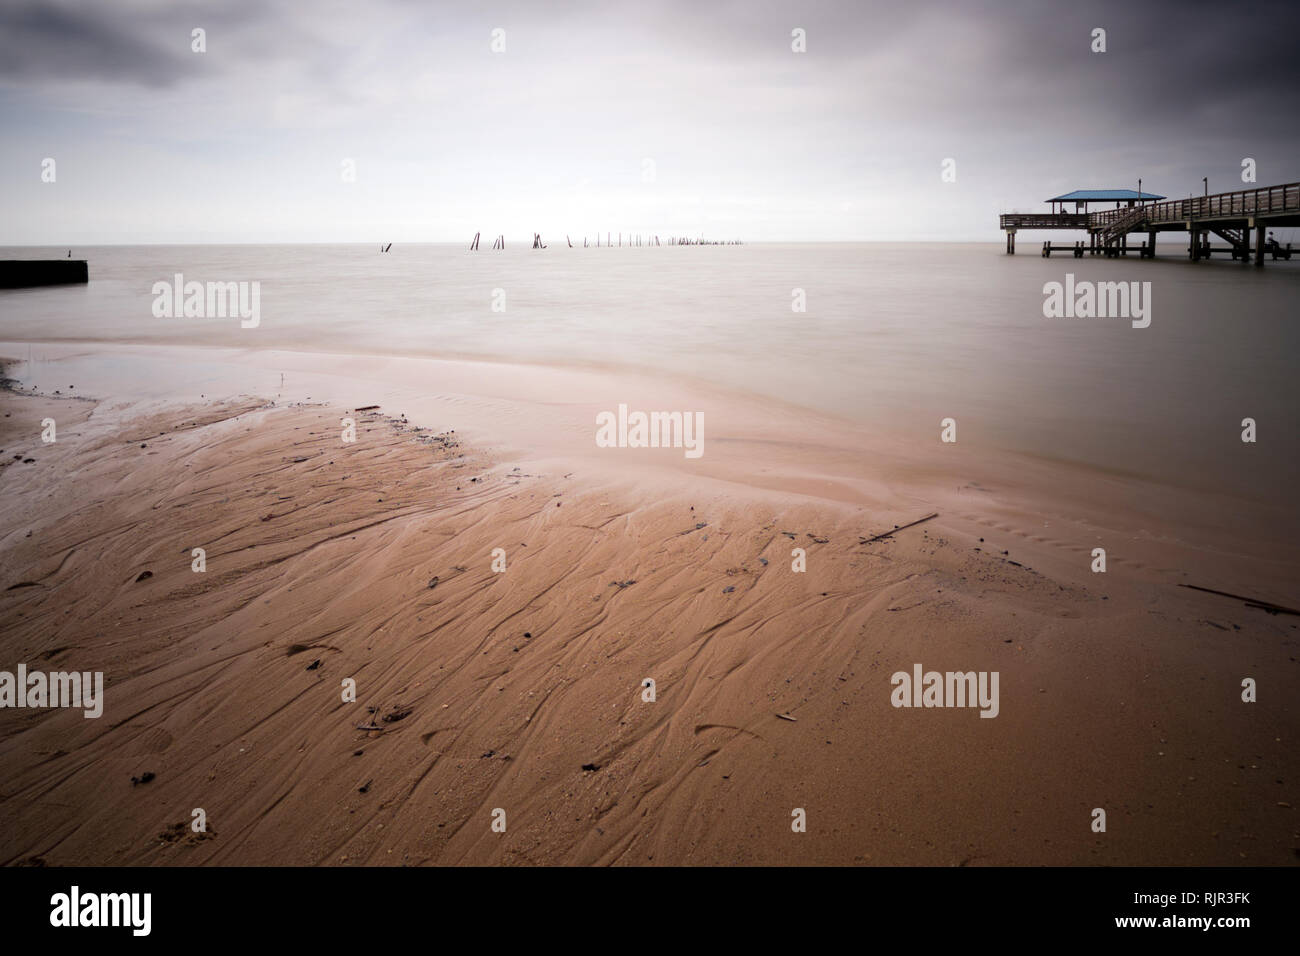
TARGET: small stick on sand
(1250,601)
(900,528)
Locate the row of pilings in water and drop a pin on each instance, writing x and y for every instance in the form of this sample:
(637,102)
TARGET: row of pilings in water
(610,240)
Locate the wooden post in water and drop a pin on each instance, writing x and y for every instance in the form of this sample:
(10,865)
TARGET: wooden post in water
(473,246)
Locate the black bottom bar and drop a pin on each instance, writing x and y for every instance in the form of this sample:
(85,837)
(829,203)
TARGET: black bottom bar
(332,906)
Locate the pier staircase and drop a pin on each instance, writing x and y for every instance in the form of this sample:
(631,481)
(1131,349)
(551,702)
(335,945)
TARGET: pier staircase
(1116,229)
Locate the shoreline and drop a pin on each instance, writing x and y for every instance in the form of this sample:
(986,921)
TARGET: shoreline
(496,689)
(757,447)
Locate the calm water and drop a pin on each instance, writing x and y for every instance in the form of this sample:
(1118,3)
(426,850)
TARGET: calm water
(897,336)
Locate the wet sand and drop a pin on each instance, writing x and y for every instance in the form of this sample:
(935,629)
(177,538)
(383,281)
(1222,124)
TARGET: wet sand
(522,691)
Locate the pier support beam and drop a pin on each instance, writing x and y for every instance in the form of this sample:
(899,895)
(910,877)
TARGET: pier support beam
(1193,239)
(1151,243)
(1259,243)
(1011,242)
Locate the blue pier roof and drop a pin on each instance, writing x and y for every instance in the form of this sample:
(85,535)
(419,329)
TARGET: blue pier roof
(1103,195)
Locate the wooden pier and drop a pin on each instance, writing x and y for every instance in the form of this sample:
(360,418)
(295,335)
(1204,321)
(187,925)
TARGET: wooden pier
(1231,216)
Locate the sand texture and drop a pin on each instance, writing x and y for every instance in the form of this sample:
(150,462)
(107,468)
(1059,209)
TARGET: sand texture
(479,690)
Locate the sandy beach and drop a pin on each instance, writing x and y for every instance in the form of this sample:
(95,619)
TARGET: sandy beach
(522,690)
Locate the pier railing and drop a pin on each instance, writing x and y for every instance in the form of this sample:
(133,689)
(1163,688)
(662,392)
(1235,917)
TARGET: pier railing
(1042,220)
(1243,202)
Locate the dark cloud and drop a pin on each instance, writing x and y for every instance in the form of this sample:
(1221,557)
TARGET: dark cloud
(42,41)
(144,42)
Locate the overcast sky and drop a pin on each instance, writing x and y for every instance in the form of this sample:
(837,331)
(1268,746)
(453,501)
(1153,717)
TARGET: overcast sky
(246,142)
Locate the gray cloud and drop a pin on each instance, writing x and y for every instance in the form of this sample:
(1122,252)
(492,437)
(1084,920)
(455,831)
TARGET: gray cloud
(738,125)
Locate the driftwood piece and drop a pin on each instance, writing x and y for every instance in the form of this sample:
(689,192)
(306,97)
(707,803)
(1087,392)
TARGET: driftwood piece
(901,527)
(1268,606)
